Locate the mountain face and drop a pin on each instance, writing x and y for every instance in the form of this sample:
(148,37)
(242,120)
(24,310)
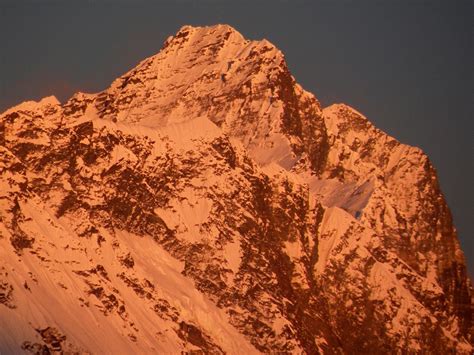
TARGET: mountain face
(206,203)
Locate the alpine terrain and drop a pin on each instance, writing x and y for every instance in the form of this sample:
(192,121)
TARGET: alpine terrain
(206,203)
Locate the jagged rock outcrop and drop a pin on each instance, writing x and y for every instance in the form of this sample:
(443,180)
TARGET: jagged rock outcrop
(206,202)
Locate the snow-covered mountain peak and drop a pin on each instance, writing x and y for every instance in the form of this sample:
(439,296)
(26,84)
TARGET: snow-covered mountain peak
(206,35)
(196,68)
(242,86)
(205,202)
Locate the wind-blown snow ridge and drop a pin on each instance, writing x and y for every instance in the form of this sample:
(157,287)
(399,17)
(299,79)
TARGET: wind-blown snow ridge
(206,202)
(32,105)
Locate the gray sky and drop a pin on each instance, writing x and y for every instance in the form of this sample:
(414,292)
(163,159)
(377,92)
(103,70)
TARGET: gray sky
(406,65)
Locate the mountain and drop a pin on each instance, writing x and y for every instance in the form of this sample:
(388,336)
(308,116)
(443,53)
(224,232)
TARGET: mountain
(206,203)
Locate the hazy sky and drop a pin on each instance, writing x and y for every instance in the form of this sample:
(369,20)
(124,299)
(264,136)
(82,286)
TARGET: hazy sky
(406,65)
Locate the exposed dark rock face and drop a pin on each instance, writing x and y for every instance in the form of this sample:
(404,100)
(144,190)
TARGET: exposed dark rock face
(6,290)
(52,342)
(205,203)
(302,119)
